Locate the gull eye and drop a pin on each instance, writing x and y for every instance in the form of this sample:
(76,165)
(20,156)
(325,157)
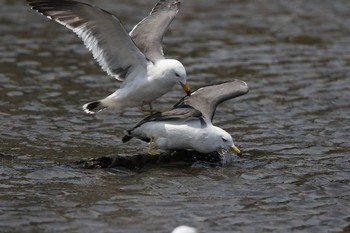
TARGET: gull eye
(177,75)
(224,139)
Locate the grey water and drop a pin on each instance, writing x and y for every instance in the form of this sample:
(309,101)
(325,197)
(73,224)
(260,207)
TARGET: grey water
(293,126)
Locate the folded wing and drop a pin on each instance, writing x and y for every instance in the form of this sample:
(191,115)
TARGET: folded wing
(182,114)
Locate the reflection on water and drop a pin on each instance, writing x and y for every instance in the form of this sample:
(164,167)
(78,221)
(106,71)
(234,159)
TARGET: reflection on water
(293,125)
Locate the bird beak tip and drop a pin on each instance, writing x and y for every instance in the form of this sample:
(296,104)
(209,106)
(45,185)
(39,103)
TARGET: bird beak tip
(186,88)
(236,151)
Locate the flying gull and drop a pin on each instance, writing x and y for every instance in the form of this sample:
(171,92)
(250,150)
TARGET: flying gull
(137,58)
(188,126)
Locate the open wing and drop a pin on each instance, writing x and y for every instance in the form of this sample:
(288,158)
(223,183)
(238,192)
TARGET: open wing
(102,33)
(148,34)
(206,99)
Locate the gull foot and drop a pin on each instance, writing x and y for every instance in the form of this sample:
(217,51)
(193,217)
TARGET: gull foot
(150,150)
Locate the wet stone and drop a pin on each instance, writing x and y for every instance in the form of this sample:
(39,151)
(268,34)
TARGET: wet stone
(139,161)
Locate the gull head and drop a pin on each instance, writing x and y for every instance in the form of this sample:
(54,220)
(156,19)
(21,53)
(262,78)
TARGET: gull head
(175,72)
(222,141)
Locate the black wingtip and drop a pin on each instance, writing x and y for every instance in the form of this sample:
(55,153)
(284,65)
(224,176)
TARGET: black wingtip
(93,107)
(126,138)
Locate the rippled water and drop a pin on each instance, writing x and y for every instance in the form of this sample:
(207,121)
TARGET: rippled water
(293,125)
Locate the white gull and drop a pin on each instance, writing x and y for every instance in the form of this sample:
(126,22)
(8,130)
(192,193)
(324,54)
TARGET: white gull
(188,126)
(137,58)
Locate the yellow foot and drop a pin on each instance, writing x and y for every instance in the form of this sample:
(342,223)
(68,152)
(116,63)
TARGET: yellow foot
(150,150)
(153,153)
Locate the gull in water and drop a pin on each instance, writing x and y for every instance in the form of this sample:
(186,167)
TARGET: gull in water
(188,126)
(136,58)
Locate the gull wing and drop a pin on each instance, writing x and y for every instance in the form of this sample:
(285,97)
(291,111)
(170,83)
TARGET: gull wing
(102,33)
(148,34)
(185,113)
(206,99)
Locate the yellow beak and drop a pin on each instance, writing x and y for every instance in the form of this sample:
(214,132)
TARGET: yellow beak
(236,151)
(186,88)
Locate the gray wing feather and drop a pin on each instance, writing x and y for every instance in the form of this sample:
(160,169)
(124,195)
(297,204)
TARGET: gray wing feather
(183,114)
(148,34)
(180,114)
(102,33)
(206,99)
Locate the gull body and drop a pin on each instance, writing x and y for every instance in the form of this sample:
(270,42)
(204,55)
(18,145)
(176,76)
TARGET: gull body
(136,58)
(194,136)
(188,126)
(162,75)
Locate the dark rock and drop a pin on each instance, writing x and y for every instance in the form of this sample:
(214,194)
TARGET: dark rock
(139,161)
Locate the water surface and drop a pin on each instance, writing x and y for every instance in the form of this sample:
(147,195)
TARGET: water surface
(293,125)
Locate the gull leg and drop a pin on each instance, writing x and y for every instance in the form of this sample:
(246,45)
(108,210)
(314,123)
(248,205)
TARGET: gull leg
(150,150)
(151,110)
(146,110)
(162,110)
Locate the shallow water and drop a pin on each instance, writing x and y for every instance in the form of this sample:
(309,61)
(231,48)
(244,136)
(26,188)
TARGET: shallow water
(293,125)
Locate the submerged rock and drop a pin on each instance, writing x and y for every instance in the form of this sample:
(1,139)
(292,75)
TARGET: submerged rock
(142,160)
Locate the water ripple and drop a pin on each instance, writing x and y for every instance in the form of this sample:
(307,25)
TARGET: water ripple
(292,126)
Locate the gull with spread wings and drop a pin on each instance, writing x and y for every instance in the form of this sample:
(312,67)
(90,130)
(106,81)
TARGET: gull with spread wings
(188,126)
(136,58)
